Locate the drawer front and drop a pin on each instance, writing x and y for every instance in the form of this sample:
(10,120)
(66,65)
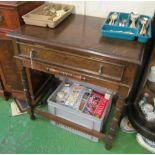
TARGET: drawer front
(51,69)
(2,19)
(104,69)
(8,19)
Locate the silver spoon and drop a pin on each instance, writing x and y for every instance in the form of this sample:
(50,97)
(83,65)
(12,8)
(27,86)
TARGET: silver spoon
(113,17)
(133,17)
(144,22)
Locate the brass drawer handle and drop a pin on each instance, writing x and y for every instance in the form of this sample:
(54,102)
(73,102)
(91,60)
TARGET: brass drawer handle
(32,56)
(55,71)
(100,71)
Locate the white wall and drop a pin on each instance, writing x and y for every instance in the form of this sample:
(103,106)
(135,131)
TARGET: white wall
(102,8)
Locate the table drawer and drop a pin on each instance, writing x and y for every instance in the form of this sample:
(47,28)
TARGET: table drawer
(3,23)
(104,69)
(8,19)
(82,77)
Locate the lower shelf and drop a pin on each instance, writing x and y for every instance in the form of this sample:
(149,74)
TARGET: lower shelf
(69,124)
(82,134)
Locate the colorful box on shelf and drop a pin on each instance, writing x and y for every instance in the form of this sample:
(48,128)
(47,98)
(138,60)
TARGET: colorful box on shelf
(125,26)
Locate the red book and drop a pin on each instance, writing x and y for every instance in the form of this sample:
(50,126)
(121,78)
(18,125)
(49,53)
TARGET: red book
(92,103)
(101,106)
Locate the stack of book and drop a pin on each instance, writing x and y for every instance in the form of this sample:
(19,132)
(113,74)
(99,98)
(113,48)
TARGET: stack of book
(84,99)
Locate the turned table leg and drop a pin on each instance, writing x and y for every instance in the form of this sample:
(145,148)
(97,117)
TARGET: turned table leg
(27,93)
(111,132)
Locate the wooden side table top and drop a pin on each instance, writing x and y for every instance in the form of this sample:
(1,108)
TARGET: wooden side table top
(81,33)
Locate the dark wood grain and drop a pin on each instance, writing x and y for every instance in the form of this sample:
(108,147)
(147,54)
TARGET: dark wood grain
(109,69)
(117,113)
(27,93)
